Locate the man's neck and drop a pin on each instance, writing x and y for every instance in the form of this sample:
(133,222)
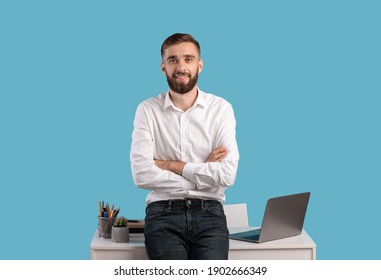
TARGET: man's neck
(184,101)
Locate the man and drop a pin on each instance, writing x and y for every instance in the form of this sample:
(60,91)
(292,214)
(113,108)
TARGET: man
(184,150)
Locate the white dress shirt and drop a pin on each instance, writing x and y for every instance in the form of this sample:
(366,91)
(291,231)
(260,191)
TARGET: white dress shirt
(165,132)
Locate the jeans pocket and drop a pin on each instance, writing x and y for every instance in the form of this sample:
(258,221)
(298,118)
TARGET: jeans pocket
(216,210)
(154,212)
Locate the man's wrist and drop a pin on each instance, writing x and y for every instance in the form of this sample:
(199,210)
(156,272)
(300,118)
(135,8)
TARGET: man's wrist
(177,167)
(171,165)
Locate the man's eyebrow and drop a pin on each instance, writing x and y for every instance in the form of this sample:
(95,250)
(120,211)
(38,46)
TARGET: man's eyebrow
(176,57)
(171,57)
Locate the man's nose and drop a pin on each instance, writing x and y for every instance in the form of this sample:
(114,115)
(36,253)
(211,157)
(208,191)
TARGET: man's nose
(180,66)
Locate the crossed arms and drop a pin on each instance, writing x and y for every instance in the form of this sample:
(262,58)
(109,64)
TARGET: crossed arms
(157,174)
(177,166)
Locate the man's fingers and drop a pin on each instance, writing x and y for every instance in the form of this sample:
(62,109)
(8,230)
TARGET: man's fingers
(219,157)
(218,154)
(219,150)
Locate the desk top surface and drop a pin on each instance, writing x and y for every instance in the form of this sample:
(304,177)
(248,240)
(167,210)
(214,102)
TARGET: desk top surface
(137,241)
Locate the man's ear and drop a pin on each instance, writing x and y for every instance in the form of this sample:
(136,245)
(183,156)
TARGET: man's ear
(200,65)
(162,66)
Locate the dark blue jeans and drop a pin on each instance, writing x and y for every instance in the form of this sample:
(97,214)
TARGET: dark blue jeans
(186,229)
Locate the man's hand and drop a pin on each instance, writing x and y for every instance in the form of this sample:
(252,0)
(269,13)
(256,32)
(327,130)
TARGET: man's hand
(217,155)
(171,165)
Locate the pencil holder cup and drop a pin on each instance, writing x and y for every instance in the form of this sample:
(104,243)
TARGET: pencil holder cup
(105,226)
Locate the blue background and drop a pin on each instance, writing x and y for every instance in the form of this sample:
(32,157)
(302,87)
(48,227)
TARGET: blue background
(303,77)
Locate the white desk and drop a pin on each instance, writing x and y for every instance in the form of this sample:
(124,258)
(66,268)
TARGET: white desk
(300,247)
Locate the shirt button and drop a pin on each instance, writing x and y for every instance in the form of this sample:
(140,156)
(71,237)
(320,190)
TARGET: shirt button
(189,202)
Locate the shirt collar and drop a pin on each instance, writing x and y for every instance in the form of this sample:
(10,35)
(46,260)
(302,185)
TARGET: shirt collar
(200,100)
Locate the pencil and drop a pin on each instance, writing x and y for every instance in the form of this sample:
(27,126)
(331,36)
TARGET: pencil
(100,208)
(117,212)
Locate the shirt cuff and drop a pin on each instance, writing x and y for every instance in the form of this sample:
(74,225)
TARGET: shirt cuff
(188,185)
(188,171)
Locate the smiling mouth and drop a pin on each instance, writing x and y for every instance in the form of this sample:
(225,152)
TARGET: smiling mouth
(181,76)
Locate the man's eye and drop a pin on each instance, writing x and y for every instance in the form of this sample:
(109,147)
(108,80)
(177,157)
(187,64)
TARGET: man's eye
(172,61)
(188,59)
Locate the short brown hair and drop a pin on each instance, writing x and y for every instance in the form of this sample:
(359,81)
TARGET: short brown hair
(178,38)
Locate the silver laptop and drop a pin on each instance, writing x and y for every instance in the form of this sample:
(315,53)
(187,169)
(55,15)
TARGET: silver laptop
(284,217)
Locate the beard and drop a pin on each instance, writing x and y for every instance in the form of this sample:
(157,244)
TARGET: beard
(179,87)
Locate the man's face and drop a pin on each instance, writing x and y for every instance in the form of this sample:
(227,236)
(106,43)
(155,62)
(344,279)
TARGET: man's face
(181,65)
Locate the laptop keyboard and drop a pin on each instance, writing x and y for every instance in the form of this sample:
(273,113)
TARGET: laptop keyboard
(251,235)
